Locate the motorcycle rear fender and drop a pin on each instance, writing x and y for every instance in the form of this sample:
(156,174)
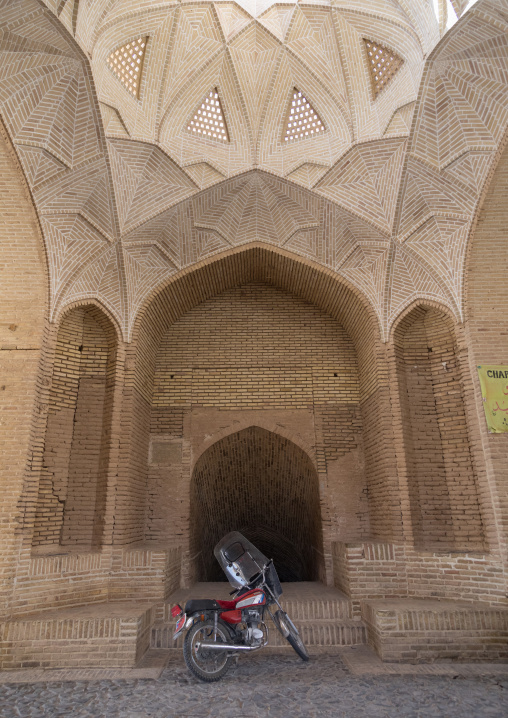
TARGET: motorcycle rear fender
(189,620)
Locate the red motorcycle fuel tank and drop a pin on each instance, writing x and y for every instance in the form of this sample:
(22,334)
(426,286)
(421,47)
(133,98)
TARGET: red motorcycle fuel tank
(252,598)
(256,597)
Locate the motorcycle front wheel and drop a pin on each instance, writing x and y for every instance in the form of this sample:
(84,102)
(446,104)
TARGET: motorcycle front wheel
(290,633)
(207,665)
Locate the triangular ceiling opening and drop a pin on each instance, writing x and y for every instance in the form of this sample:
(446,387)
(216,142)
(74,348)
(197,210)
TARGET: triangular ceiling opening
(383,65)
(126,62)
(302,119)
(208,119)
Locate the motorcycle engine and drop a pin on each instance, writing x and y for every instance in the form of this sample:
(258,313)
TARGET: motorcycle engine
(252,635)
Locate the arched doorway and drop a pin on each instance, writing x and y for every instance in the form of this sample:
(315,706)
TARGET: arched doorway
(265,486)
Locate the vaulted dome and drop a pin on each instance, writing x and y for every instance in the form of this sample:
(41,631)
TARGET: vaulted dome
(254,55)
(345,132)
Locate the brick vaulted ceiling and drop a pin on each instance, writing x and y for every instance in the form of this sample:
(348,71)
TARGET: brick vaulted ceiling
(127,196)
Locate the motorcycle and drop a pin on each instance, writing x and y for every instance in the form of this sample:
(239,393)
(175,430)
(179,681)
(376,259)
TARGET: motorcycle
(220,631)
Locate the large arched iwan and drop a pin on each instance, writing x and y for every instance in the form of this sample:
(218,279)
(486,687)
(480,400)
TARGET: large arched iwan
(266,487)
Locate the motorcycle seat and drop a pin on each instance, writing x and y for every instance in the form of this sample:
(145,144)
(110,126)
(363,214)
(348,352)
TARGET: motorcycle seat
(202,604)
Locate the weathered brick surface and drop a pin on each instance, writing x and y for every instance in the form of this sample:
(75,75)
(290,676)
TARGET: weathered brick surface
(374,570)
(23,306)
(259,350)
(80,579)
(71,502)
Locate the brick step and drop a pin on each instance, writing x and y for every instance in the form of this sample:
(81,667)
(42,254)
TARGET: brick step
(317,632)
(426,630)
(302,601)
(109,635)
(314,609)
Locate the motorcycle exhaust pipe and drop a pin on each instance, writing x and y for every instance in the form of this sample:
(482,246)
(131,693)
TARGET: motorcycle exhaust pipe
(225,646)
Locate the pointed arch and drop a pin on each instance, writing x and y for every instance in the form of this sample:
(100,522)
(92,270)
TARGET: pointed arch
(256,482)
(440,464)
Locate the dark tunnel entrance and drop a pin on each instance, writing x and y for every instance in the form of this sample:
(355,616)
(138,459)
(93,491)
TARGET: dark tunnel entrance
(266,487)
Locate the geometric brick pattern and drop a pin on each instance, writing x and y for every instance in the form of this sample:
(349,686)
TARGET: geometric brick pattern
(146,181)
(396,217)
(259,206)
(366,180)
(55,124)
(449,157)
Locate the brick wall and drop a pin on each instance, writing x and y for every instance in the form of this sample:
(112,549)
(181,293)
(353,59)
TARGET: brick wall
(375,570)
(211,278)
(23,306)
(143,572)
(487,338)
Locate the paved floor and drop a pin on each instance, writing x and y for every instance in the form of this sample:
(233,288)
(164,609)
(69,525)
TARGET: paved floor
(264,685)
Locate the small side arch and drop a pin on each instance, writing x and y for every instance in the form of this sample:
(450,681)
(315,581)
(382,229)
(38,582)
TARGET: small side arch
(103,316)
(424,305)
(440,467)
(71,502)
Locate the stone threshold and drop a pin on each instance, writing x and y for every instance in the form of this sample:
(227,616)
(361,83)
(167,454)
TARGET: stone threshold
(359,660)
(149,668)
(362,660)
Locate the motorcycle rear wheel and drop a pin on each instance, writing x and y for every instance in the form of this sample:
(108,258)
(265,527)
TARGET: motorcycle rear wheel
(207,665)
(290,633)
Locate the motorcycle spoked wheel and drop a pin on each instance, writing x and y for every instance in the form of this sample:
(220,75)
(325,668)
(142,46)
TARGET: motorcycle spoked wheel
(207,665)
(290,633)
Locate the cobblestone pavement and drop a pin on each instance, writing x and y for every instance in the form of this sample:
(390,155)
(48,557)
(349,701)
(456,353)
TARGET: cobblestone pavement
(272,686)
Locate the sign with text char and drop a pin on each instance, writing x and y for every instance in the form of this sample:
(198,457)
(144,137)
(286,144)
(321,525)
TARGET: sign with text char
(494,386)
